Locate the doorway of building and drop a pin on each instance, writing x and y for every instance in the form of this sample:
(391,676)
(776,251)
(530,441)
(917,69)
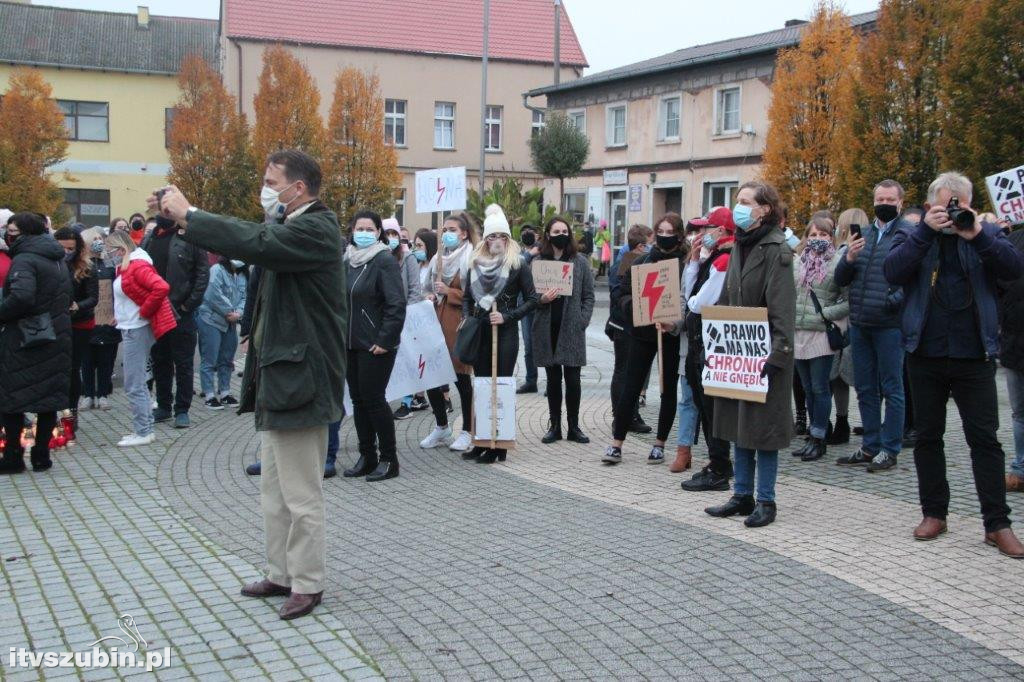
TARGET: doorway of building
(666,200)
(617,211)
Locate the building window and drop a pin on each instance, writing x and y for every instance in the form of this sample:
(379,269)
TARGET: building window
(615,129)
(90,207)
(575,206)
(668,118)
(492,125)
(578,118)
(719,194)
(444,125)
(727,117)
(169,113)
(87,121)
(399,214)
(538,123)
(394,122)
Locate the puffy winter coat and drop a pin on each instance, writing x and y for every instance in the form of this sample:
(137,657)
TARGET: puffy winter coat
(35,379)
(830,295)
(874,302)
(148,290)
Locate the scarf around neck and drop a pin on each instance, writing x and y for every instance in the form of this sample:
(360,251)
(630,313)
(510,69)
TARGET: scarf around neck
(357,257)
(814,265)
(451,262)
(489,278)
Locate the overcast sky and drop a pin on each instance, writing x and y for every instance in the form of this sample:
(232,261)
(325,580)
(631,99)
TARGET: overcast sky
(613,32)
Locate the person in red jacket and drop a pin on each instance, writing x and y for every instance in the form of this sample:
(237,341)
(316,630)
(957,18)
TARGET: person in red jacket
(143,314)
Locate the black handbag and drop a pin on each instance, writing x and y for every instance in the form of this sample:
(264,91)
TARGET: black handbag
(467,340)
(36,331)
(837,338)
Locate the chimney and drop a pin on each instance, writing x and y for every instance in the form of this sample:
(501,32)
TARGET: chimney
(794,22)
(143,17)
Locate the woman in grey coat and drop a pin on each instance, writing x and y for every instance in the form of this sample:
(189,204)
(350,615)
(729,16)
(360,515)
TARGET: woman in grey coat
(760,275)
(560,331)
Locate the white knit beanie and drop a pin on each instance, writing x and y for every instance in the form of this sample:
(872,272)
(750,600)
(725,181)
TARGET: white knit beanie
(495,222)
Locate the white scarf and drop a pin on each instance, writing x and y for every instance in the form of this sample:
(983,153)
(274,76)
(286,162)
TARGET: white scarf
(451,262)
(357,257)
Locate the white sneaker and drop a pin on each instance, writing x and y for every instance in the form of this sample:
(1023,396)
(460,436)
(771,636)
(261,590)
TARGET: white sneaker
(462,443)
(438,436)
(86,404)
(103,403)
(134,440)
(155,404)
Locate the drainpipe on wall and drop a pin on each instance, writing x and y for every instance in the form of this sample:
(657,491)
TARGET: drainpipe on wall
(238,46)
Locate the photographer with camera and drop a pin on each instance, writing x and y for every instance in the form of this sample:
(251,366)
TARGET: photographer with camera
(948,266)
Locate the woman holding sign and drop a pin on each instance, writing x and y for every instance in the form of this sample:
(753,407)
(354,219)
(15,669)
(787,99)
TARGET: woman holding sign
(560,329)
(444,280)
(760,275)
(496,278)
(669,243)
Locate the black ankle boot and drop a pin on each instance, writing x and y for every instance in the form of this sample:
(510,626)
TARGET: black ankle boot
(13,461)
(40,459)
(763,514)
(737,504)
(576,435)
(388,468)
(815,450)
(472,454)
(841,432)
(490,457)
(554,432)
(802,450)
(364,465)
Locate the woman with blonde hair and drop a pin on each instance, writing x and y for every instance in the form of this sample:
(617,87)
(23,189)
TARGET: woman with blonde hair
(496,276)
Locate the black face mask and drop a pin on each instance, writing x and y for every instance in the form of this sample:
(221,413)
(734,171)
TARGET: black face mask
(529,239)
(137,225)
(886,212)
(667,242)
(560,241)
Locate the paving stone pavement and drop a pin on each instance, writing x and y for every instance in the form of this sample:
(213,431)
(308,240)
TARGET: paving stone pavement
(550,566)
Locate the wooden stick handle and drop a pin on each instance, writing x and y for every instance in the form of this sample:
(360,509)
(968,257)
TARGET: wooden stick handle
(494,380)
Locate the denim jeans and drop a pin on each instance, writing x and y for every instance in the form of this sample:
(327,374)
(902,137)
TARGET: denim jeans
(814,375)
(135,346)
(216,357)
(526,325)
(767,472)
(878,363)
(333,441)
(1015,389)
(687,413)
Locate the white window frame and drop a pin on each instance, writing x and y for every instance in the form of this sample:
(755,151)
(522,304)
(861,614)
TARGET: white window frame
(490,122)
(444,119)
(720,114)
(391,122)
(537,126)
(663,135)
(609,125)
(573,113)
(709,185)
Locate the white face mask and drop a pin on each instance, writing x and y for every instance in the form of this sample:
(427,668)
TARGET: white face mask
(271,200)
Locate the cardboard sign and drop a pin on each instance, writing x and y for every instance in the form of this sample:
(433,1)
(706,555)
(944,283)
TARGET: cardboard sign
(656,293)
(552,274)
(104,310)
(441,189)
(506,410)
(1006,190)
(422,361)
(737,342)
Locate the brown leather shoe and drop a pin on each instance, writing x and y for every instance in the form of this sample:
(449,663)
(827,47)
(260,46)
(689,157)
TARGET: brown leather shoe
(929,528)
(265,588)
(1006,542)
(1014,483)
(299,605)
(682,462)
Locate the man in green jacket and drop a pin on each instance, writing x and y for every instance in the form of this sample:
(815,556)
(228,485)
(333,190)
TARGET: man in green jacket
(295,369)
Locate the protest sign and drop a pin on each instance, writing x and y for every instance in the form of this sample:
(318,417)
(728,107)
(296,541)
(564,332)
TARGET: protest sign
(1006,190)
(656,292)
(103,313)
(422,361)
(506,411)
(737,342)
(552,274)
(441,189)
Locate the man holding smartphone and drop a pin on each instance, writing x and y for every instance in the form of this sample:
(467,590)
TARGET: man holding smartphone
(875,331)
(948,267)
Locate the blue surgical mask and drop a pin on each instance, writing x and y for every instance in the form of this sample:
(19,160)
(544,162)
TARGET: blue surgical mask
(420,255)
(363,239)
(450,239)
(741,215)
(708,241)
(393,243)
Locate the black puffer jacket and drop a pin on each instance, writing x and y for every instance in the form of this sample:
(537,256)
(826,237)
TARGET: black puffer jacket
(37,379)
(519,284)
(1011,314)
(873,301)
(376,303)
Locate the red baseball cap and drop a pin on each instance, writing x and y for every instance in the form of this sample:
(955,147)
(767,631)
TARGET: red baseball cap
(722,217)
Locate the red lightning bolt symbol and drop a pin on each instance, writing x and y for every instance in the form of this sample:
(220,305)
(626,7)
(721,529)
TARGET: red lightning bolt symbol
(440,190)
(422,366)
(565,271)
(651,292)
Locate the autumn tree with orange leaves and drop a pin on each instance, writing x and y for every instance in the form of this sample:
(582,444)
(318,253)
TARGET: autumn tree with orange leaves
(287,107)
(211,161)
(32,138)
(809,114)
(360,168)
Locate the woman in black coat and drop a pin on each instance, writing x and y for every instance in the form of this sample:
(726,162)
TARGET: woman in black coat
(376,313)
(36,379)
(85,295)
(496,274)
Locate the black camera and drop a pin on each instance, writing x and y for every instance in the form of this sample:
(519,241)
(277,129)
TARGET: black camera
(962,218)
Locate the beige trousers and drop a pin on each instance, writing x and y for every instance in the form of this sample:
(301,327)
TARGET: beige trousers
(292,499)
